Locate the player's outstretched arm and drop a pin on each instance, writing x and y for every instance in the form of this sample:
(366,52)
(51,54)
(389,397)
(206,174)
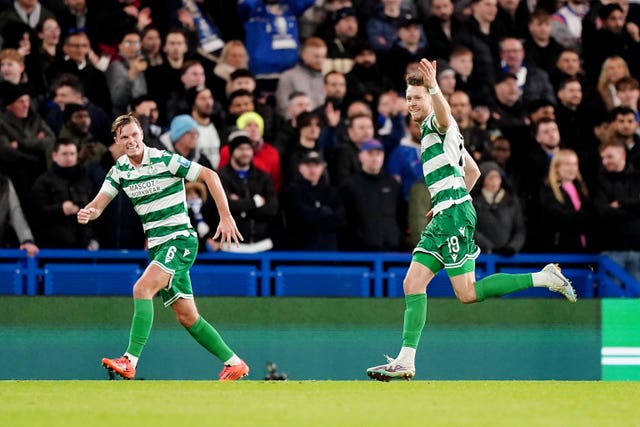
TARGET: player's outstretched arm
(471,172)
(227,229)
(94,209)
(441,107)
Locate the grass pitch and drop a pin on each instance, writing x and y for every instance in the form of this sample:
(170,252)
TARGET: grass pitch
(318,403)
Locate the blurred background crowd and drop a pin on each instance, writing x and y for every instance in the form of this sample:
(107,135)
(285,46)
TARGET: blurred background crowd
(299,106)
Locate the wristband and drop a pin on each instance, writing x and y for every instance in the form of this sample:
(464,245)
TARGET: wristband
(434,90)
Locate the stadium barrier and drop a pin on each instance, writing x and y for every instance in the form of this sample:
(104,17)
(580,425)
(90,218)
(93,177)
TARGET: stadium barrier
(274,273)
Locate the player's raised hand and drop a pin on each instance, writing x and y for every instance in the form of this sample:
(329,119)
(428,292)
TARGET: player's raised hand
(228,232)
(428,71)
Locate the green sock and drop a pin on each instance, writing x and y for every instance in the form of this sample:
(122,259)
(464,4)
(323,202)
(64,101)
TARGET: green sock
(209,338)
(140,325)
(500,284)
(415,316)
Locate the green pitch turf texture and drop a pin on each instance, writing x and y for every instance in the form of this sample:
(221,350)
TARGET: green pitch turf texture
(318,403)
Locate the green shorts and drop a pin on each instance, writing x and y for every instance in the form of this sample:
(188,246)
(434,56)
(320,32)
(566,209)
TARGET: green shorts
(449,239)
(176,257)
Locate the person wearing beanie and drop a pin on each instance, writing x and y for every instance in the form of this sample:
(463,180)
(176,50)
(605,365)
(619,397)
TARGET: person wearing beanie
(252,196)
(182,139)
(154,181)
(25,140)
(266,157)
(500,228)
(77,122)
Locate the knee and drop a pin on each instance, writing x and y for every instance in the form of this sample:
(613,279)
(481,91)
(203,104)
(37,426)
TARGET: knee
(412,286)
(467,297)
(187,318)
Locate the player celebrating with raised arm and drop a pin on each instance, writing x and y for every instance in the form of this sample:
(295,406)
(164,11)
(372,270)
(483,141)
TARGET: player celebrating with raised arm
(450,173)
(154,181)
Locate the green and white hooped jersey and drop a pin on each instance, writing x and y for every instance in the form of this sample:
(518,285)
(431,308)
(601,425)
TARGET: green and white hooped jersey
(443,161)
(156,189)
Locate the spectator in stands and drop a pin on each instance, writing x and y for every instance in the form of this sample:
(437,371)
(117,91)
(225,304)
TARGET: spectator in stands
(499,152)
(11,215)
(382,27)
(80,61)
(477,35)
(613,38)
(118,227)
(203,31)
(271,28)
(151,45)
(202,111)
(266,157)
(308,128)
(628,92)
(125,75)
(369,229)
(343,40)
(234,56)
(541,50)
(613,69)
(243,79)
(108,20)
(418,207)
(30,12)
(408,47)
(57,197)
(533,82)
(623,128)
(404,162)
(12,67)
(617,202)
(68,89)
(192,76)
(511,19)
(335,88)
(509,112)
(314,213)
(145,109)
(442,26)
(566,26)
(446,78)
(475,138)
(163,79)
(346,162)
(500,228)
(540,108)
(77,123)
(567,65)
(72,17)
(19,36)
(390,117)
(252,196)
(304,77)
(366,80)
(202,215)
(182,139)
(567,210)
(461,61)
(25,140)
(49,49)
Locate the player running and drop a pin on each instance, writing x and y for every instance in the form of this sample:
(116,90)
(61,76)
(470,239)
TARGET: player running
(450,174)
(154,181)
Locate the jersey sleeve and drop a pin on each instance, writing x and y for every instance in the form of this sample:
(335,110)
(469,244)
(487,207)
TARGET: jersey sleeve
(111,185)
(179,166)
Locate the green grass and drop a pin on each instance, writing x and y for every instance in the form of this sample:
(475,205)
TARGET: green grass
(318,403)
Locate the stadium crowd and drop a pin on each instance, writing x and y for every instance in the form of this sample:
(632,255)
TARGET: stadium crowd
(299,106)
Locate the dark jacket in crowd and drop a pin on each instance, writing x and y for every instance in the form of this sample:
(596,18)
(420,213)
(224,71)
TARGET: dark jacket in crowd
(314,215)
(253,222)
(53,228)
(563,226)
(11,215)
(619,228)
(375,212)
(500,227)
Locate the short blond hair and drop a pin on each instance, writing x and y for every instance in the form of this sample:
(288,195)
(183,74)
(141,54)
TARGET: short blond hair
(122,121)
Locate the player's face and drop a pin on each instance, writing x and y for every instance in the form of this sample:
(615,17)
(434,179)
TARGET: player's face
(418,102)
(129,138)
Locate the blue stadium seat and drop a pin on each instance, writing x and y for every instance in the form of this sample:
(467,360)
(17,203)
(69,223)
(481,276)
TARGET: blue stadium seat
(10,279)
(224,280)
(93,279)
(334,281)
